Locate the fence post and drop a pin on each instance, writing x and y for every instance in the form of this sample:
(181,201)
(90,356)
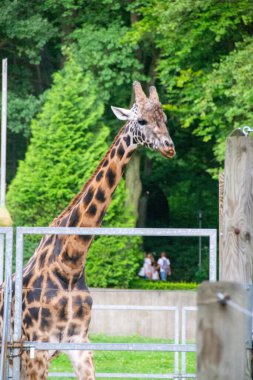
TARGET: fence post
(221,351)
(237,216)
(236,258)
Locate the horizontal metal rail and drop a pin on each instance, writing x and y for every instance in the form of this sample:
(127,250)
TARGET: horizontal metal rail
(125,375)
(134,307)
(161,347)
(190,232)
(156,232)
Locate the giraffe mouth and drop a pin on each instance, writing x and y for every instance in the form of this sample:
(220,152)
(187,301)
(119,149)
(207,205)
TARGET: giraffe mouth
(168,153)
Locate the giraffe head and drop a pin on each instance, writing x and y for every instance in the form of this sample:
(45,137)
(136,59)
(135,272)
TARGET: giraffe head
(147,121)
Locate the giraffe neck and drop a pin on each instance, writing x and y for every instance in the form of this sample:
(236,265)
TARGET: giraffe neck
(89,206)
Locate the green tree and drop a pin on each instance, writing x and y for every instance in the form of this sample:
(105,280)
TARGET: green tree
(31,37)
(68,140)
(25,36)
(204,63)
(112,61)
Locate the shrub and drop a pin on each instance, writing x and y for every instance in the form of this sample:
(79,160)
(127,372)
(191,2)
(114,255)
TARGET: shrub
(160,285)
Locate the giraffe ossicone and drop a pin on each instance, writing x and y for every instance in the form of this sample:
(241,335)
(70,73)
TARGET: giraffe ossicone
(56,301)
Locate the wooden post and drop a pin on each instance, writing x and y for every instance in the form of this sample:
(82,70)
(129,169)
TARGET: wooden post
(237,217)
(221,351)
(237,250)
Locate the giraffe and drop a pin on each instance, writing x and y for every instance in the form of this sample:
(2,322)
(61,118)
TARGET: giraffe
(56,301)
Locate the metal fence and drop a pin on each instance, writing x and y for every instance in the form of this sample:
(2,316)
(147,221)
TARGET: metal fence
(11,345)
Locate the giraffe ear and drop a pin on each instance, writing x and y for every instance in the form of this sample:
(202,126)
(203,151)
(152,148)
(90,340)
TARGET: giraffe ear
(121,113)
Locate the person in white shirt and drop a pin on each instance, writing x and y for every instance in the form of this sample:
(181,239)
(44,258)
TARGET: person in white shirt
(164,266)
(148,266)
(155,273)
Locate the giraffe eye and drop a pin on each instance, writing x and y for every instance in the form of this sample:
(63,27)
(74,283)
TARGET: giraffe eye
(142,122)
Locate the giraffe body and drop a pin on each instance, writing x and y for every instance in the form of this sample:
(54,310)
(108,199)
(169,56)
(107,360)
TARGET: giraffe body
(56,301)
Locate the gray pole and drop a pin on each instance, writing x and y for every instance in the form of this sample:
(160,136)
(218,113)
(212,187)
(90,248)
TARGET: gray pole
(3,155)
(3,132)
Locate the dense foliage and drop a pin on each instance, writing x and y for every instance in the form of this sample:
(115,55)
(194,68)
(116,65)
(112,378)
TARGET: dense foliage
(204,62)
(198,53)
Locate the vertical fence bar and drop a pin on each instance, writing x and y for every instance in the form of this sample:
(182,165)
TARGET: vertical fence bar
(4,344)
(212,256)
(176,355)
(1,257)
(221,197)
(183,341)
(18,302)
(4,363)
(9,259)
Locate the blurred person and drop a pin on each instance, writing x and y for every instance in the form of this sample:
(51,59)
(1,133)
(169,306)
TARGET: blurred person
(155,272)
(148,266)
(164,266)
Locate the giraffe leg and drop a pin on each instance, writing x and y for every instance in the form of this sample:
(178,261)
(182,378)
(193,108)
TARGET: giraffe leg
(35,369)
(83,364)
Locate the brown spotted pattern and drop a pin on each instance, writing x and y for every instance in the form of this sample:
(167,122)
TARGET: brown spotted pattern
(56,301)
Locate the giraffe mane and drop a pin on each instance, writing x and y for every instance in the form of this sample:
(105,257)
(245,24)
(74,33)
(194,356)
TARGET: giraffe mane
(84,189)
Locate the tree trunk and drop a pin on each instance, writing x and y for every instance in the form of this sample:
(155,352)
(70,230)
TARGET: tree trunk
(133,179)
(133,183)
(143,203)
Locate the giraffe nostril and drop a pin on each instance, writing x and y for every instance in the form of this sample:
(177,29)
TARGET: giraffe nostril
(169,144)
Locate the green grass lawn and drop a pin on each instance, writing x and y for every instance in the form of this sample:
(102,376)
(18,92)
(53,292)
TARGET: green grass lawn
(127,362)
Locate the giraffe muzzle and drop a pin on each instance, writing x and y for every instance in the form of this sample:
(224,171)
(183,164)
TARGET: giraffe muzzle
(170,153)
(168,150)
